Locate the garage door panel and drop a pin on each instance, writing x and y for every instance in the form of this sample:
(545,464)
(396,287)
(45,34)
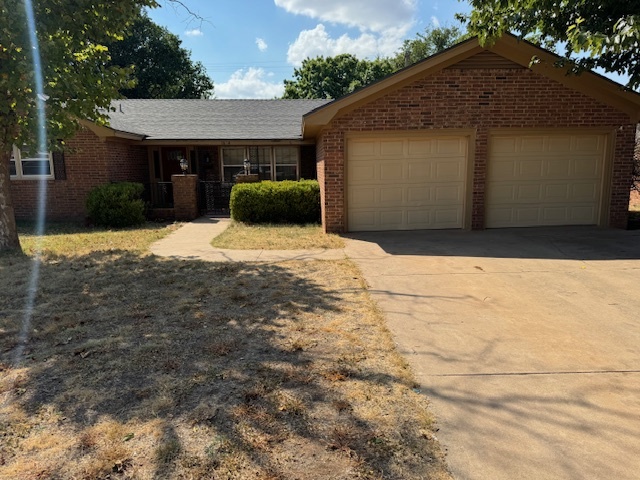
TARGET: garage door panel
(559,143)
(557,193)
(391,172)
(504,170)
(528,193)
(365,172)
(419,195)
(589,143)
(557,167)
(391,195)
(362,196)
(419,171)
(451,194)
(362,149)
(451,146)
(559,185)
(584,192)
(449,171)
(582,213)
(532,144)
(391,148)
(587,167)
(420,148)
(412,183)
(448,217)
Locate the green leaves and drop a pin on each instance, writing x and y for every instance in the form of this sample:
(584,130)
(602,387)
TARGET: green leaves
(335,77)
(156,65)
(592,33)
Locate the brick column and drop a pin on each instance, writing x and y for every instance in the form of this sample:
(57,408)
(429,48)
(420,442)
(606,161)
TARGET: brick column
(185,196)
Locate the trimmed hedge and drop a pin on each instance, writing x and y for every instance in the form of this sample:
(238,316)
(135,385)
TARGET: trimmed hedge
(116,204)
(276,202)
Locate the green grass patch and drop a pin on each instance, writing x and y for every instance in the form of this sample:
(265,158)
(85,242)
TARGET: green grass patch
(241,236)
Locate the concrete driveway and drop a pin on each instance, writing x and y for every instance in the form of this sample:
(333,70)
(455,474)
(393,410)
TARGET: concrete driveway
(527,342)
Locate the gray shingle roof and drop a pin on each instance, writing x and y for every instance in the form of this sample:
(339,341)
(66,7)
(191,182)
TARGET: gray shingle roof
(212,119)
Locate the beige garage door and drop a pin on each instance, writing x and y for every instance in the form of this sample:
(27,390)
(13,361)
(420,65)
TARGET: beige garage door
(405,183)
(536,180)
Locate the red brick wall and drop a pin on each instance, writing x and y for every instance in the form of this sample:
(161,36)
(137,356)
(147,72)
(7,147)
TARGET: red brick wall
(127,162)
(482,99)
(88,162)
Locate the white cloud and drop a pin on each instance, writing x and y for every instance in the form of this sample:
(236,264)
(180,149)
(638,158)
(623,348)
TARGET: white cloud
(262,45)
(196,32)
(312,43)
(371,15)
(435,21)
(249,83)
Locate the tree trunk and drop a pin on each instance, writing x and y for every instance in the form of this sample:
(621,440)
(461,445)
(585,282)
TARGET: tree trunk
(8,231)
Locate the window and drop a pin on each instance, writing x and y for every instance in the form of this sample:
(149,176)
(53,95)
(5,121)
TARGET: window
(286,163)
(25,165)
(271,163)
(232,162)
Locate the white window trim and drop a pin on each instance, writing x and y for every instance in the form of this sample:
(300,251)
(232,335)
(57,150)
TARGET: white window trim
(272,159)
(17,157)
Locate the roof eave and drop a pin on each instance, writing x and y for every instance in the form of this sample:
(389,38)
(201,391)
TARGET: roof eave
(508,46)
(104,131)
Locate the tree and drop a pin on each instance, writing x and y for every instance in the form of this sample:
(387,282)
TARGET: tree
(432,41)
(62,45)
(334,77)
(588,33)
(161,67)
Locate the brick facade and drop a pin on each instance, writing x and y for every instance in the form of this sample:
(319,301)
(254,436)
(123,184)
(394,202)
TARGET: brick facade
(88,162)
(479,99)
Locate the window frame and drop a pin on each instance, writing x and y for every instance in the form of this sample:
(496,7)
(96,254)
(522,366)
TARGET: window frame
(16,158)
(273,163)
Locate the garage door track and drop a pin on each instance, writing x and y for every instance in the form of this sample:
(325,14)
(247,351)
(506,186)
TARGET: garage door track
(527,342)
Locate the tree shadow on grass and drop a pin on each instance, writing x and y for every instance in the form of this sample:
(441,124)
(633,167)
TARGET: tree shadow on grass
(241,370)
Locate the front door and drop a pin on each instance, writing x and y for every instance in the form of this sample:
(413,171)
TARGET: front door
(171,161)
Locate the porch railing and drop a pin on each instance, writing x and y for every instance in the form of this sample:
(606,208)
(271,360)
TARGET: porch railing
(214,197)
(159,194)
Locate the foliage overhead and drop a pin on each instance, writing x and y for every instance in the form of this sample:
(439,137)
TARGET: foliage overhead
(432,41)
(334,77)
(161,67)
(590,33)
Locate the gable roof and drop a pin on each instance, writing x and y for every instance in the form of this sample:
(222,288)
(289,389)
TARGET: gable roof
(508,47)
(211,119)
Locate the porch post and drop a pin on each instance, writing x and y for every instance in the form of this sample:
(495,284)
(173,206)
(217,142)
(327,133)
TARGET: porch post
(185,197)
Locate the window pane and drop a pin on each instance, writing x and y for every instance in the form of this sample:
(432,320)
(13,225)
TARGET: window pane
(233,156)
(36,167)
(265,172)
(286,155)
(38,164)
(286,172)
(231,172)
(12,167)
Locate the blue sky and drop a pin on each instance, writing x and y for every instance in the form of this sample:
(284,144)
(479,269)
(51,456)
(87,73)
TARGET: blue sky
(250,46)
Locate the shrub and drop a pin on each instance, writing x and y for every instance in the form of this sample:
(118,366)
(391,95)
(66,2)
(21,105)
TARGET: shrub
(276,202)
(116,204)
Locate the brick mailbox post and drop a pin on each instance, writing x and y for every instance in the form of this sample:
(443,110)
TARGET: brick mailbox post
(185,197)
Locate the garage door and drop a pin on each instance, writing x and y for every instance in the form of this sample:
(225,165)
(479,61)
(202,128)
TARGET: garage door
(536,180)
(405,183)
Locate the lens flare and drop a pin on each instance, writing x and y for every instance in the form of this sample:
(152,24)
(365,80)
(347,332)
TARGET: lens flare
(40,97)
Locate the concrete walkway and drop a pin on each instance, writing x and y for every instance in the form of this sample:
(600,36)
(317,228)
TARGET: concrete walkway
(192,241)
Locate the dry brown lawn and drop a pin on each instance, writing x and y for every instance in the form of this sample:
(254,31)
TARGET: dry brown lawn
(142,367)
(241,236)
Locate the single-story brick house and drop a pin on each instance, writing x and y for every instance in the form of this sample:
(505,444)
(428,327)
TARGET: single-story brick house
(472,137)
